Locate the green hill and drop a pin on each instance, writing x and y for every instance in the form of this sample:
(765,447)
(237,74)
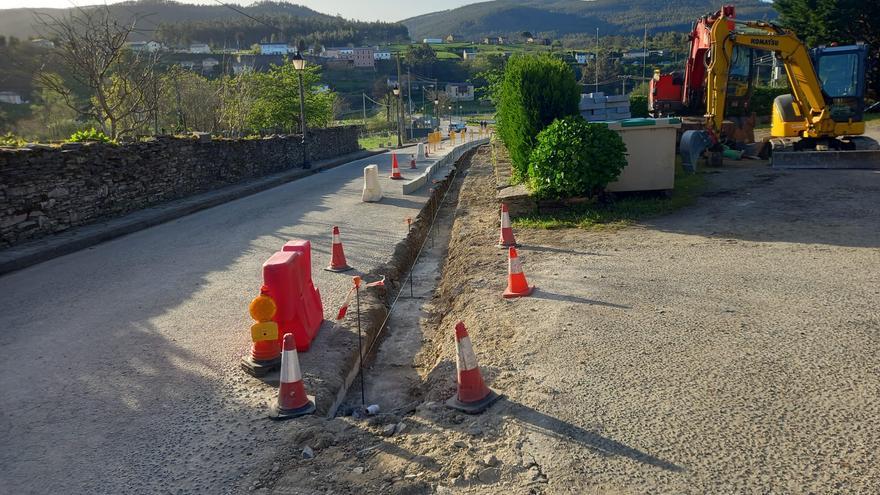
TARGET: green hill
(561,17)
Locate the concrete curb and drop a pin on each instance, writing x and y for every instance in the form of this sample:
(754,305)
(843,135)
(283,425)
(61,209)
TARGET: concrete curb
(420,181)
(44,249)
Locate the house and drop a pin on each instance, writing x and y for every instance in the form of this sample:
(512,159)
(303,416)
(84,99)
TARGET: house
(468,54)
(493,40)
(630,54)
(273,49)
(338,53)
(209,63)
(363,57)
(144,46)
(452,38)
(381,55)
(433,41)
(460,91)
(538,41)
(199,48)
(583,58)
(11,97)
(40,42)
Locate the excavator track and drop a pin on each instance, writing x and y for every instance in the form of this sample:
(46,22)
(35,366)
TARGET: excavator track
(865,155)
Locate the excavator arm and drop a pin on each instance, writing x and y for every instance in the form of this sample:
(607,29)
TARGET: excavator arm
(802,78)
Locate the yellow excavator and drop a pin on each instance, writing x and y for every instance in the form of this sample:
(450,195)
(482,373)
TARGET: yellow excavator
(819,125)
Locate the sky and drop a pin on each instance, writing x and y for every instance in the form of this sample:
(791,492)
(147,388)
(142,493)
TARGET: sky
(367,10)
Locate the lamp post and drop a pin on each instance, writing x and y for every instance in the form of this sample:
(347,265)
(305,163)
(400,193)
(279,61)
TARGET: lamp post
(436,115)
(396,92)
(299,64)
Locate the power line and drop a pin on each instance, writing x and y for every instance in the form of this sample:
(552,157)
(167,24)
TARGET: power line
(250,16)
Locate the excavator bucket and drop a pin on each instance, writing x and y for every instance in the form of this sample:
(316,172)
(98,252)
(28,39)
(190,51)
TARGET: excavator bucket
(691,147)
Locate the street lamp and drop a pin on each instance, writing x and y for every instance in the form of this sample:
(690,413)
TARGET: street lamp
(299,64)
(436,116)
(396,91)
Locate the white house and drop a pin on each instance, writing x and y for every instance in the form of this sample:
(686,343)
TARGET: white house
(635,54)
(274,49)
(460,91)
(583,58)
(144,46)
(468,54)
(381,55)
(432,41)
(11,97)
(199,48)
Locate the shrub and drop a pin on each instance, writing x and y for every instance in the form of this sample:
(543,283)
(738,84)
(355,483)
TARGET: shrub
(535,91)
(575,158)
(89,135)
(11,140)
(638,105)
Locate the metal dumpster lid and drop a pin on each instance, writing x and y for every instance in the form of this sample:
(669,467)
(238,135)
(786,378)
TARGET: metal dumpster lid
(643,122)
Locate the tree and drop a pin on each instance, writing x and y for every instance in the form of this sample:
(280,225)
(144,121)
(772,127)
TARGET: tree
(90,44)
(842,21)
(276,99)
(50,116)
(535,91)
(421,57)
(237,95)
(189,101)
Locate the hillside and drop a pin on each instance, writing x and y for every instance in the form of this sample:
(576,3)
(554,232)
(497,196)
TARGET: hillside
(22,23)
(561,17)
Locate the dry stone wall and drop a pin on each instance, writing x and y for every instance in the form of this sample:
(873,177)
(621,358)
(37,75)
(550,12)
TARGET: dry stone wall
(45,190)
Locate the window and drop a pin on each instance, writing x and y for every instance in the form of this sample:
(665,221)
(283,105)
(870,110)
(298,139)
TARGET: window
(839,74)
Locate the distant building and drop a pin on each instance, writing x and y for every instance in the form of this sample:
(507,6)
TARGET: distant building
(199,48)
(274,49)
(583,58)
(11,97)
(452,38)
(344,53)
(209,63)
(381,55)
(468,54)
(635,54)
(144,46)
(460,91)
(42,43)
(433,41)
(363,57)
(493,40)
(188,64)
(538,41)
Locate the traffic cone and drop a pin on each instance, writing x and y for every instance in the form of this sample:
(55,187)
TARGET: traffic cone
(412,161)
(395,170)
(506,239)
(292,399)
(265,355)
(337,262)
(517,286)
(473,395)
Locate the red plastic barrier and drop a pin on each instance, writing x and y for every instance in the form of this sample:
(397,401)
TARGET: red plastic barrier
(288,275)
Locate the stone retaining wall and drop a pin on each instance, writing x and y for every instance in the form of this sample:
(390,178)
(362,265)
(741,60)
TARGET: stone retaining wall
(45,190)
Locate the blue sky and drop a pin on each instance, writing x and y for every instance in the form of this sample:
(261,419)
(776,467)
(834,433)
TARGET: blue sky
(369,10)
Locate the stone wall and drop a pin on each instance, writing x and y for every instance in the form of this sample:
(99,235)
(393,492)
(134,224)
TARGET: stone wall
(45,190)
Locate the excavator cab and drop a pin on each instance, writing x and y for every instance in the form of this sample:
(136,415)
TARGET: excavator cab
(841,71)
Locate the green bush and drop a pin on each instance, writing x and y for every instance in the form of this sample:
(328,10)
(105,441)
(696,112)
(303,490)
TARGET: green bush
(535,91)
(575,158)
(762,99)
(89,135)
(638,105)
(11,140)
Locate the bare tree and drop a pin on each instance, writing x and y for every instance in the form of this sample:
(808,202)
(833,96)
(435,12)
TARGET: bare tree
(124,84)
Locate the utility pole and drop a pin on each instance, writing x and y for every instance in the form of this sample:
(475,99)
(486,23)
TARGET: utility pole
(409,100)
(644,52)
(364,99)
(596,62)
(399,105)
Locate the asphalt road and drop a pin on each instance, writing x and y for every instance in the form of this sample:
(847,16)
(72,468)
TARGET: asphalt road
(118,364)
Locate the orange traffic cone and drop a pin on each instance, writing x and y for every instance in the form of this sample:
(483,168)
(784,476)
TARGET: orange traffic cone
(292,399)
(395,170)
(473,395)
(517,286)
(265,355)
(412,161)
(507,239)
(337,262)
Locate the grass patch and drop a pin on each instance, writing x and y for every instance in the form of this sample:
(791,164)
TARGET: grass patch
(623,211)
(376,142)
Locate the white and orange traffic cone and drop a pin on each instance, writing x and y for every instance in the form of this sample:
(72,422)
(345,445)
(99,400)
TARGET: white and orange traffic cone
(337,261)
(292,399)
(473,396)
(506,239)
(412,161)
(517,286)
(395,169)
